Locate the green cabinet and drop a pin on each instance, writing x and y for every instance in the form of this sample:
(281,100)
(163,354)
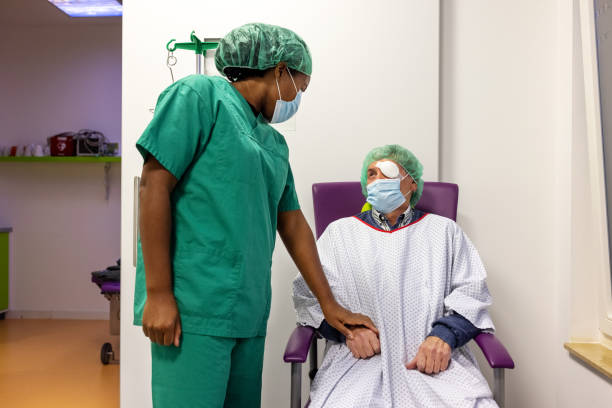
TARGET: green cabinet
(4,269)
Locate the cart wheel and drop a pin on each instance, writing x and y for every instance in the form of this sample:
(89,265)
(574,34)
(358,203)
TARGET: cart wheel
(106,353)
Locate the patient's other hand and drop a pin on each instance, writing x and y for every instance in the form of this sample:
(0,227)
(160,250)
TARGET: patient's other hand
(433,356)
(365,343)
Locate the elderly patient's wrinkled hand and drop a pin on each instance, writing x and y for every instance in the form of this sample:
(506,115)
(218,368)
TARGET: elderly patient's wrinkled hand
(433,356)
(365,343)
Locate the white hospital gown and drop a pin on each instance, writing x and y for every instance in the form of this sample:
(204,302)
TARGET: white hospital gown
(403,280)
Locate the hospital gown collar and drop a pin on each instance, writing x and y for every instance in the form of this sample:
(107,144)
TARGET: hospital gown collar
(367,217)
(382,222)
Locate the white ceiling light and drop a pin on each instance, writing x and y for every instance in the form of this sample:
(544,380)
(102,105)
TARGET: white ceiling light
(89,8)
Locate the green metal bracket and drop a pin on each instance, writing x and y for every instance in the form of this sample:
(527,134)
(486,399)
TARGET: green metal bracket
(199,47)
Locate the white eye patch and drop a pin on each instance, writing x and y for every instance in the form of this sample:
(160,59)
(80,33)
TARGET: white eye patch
(389,169)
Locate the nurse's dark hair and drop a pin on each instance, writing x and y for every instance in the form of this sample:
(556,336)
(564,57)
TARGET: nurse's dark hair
(235,74)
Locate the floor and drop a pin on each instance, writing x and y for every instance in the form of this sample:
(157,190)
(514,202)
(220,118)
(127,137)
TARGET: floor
(56,363)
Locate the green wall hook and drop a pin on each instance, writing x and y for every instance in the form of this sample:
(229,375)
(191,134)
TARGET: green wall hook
(171,48)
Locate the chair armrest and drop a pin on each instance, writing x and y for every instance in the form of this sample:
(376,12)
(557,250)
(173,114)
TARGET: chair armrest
(299,344)
(494,351)
(111,287)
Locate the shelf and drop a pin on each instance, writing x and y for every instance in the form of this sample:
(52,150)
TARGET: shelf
(63,159)
(593,354)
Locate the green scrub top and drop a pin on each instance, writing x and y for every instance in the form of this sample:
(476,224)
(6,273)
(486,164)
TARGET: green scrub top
(233,179)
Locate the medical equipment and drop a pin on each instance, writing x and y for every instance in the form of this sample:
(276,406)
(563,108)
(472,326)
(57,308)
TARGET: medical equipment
(90,143)
(336,200)
(199,47)
(62,144)
(108,281)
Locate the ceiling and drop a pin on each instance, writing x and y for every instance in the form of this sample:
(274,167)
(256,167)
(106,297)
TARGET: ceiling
(41,12)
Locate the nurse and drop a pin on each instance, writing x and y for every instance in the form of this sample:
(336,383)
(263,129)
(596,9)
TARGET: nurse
(216,187)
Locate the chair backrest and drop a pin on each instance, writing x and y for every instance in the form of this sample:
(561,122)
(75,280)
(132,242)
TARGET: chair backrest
(344,199)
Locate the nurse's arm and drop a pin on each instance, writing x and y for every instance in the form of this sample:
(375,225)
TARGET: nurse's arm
(297,237)
(160,318)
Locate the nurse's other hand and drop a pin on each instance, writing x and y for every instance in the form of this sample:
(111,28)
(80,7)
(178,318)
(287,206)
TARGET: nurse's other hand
(433,356)
(365,343)
(339,317)
(161,322)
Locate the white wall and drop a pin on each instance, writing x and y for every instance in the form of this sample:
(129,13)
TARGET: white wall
(63,228)
(583,322)
(512,137)
(375,81)
(56,77)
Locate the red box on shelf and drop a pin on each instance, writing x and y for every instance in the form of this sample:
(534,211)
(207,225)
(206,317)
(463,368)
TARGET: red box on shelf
(62,144)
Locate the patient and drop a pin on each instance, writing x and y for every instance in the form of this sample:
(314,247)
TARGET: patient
(422,282)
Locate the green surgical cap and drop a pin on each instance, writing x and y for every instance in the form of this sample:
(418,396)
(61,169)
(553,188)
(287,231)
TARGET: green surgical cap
(262,46)
(404,158)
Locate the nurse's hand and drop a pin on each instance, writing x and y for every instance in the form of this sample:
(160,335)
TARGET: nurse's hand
(339,318)
(365,343)
(433,356)
(161,322)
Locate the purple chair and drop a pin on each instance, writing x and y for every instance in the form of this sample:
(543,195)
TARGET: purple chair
(344,199)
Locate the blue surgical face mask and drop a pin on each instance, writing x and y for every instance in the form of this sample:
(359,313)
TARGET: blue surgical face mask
(284,110)
(385,195)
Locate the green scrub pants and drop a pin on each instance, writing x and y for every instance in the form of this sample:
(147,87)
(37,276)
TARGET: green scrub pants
(208,372)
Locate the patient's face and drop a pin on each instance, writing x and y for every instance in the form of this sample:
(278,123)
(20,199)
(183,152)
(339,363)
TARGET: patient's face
(374,173)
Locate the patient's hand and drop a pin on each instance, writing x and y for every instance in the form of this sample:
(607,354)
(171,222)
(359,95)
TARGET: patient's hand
(365,343)
(433,356)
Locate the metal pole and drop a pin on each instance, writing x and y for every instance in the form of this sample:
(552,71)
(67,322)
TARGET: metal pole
(198,63)
(296,385)
(313,358)
(498,387)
